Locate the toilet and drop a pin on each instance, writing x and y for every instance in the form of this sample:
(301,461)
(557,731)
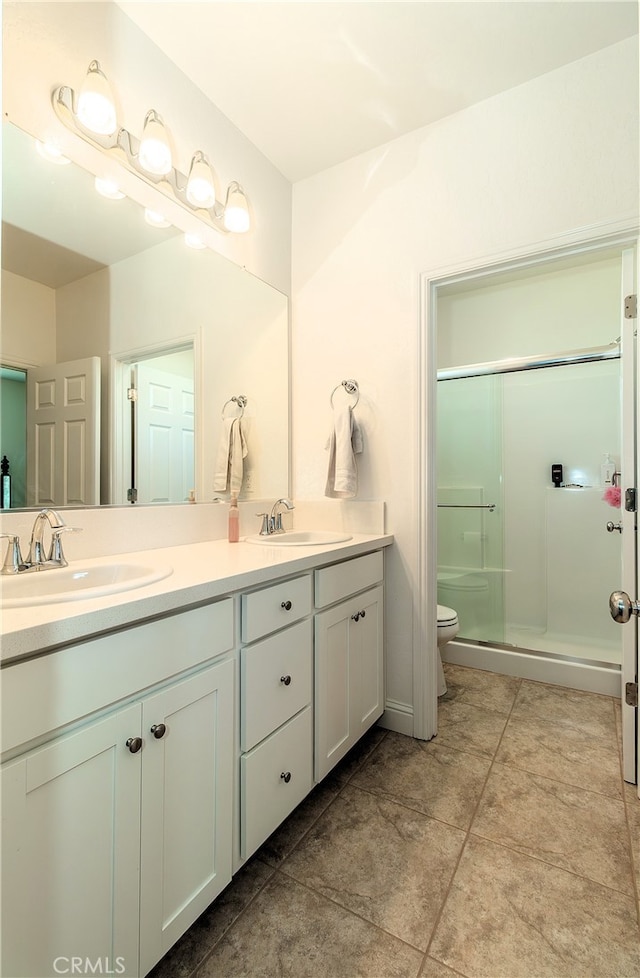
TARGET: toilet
(447,630)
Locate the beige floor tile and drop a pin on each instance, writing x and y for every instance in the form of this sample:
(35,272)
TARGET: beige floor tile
(387,863)
(470,728)
(632,803)
(353,761)
(278,846)
(433,969)
(434,780)
(510,916)
(290,931)
(565,826)
(479,688)
(564,752)
(184,957)
(589,711)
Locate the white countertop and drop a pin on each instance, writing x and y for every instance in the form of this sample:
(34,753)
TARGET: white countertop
(200,572)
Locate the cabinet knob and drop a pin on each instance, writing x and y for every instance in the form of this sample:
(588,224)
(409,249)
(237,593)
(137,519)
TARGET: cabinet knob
(134,744)
(286,680)
(363,613)
(356,617)
(286,605)
(286,776)
(158,730)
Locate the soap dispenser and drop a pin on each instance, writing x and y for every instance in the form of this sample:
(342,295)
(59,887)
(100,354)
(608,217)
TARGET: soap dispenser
(607,470)
(234,520)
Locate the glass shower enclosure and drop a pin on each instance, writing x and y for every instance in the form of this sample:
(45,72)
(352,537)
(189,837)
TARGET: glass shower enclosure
(527,564)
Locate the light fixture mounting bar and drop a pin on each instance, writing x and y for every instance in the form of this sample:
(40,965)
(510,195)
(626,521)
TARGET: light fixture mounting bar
(64,103)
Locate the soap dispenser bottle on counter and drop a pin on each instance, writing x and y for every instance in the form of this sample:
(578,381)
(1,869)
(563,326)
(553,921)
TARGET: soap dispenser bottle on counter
(607,470)
(234,520)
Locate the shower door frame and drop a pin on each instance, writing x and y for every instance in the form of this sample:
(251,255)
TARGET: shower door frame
(619,235)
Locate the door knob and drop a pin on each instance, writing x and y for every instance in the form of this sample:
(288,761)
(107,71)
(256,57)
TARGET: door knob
(614,526)
(622,607)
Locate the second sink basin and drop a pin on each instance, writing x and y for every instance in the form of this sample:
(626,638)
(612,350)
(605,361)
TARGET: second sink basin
(76,582)
(300,538)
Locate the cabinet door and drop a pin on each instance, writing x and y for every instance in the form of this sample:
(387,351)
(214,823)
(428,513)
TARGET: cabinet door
(349,676)
(187,790)
(70,852)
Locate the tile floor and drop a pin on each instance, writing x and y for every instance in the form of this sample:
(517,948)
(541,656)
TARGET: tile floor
(507,847)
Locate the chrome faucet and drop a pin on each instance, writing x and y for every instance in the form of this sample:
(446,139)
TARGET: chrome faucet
(273,523)
(37,560)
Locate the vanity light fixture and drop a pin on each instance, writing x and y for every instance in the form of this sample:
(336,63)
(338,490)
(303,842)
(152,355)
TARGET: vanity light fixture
(154,152)
(51,153)
(155,219)
(96,108)
(236,210)
(193,241)
(91,114)
(108,188)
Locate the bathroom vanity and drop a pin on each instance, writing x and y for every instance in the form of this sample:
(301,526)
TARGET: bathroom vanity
(153,739)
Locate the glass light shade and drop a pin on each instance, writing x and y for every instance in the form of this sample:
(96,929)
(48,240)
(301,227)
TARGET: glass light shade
(193,241)
(96,109)
(155,219)
(108,188)
(154,154)
(236,210)
(51,153)
(200,189)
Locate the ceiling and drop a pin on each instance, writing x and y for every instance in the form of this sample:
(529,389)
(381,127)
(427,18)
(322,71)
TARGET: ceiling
(314,83)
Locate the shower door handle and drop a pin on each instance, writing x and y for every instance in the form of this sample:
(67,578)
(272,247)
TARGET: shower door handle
(622,607)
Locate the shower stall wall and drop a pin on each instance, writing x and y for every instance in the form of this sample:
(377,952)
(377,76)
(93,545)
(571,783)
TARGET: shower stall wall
(527,565)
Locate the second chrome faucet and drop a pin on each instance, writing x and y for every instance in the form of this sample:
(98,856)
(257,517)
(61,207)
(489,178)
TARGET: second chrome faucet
(272,523)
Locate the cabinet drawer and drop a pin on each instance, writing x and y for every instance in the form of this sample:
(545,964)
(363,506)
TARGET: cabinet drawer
(274,607)
(266,797)
(275,681)
(340,580)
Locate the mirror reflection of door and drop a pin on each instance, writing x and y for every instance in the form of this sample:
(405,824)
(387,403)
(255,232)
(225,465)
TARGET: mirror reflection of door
(163,430)
(13,432)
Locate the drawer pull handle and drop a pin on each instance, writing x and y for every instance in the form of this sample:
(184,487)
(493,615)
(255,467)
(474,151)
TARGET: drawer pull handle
(286,776)
(286,680)
(134,744)
(158,730)
(286,605)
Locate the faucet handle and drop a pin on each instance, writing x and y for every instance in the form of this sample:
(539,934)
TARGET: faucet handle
(13,561)
(264,529)
(55,552)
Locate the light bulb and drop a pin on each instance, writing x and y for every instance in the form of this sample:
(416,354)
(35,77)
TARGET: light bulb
(236,210)
(154,153)
(51,153)
(155,219)
(200,189)
(108,188)
(96,108)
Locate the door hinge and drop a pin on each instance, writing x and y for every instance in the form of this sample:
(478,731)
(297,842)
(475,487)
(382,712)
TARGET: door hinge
(631,694)
(132,495)
(132,394)
(630,306)
(630,500)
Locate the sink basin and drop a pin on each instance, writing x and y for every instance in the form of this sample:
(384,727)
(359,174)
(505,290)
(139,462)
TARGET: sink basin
(76,582)
(300,538)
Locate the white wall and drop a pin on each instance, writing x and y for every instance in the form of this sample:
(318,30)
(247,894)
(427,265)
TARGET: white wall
(28,321)
(50,44)
(555,155)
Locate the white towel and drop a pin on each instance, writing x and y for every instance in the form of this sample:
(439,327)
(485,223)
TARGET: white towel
(231,451)
(345,441)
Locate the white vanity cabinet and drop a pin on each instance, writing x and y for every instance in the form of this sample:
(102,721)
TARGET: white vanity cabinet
(116,836)
(276,723)
(349,662)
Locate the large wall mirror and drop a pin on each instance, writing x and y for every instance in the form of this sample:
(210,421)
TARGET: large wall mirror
(124,353)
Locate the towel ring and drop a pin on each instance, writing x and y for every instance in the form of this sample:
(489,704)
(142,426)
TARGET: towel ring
(351,387)
(240,400)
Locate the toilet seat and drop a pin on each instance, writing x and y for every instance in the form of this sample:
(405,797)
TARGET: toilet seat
(446,616)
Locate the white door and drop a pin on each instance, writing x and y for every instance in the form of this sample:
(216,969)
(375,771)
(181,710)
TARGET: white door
(63,434)
(70,852)
(628,521)
(164,435)
(187,805)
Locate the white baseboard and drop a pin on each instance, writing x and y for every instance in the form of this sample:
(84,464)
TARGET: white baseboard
(397,717)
